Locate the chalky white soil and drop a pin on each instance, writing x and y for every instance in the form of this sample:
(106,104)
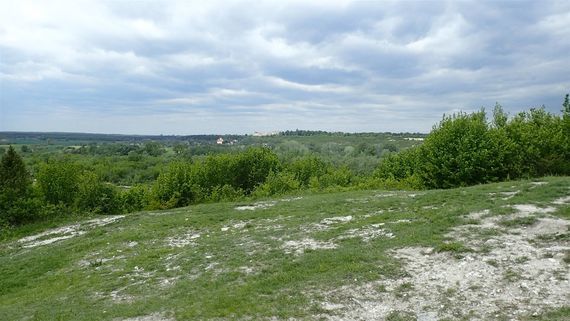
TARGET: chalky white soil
(66,232)
(510,273)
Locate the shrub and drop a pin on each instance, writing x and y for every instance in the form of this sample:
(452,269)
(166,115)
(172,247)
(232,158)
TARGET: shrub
(278,183)
(134,199)
(176,187)
(463,149)
(58,182)
(305,168)
(253,166)
(95,196)
(225,193)
(457,152)
(399,166)
(540,143)
(21,210)
(340,177)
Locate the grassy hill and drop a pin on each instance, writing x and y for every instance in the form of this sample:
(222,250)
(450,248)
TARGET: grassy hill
(490,252)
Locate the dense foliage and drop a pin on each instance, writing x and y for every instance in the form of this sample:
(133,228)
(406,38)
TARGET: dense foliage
(466,149)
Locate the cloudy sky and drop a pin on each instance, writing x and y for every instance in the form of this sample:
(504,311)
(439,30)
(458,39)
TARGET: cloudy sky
(190,67)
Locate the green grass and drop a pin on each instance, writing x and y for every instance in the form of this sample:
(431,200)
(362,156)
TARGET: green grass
(520,221)
(237,267)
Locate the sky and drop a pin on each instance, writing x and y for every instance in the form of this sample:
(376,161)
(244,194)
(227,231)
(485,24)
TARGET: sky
(221,67)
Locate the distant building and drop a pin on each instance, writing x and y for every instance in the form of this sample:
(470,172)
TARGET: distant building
(261,134)
(220,141)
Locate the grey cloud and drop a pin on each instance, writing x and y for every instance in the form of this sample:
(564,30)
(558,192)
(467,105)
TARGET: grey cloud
(230,66)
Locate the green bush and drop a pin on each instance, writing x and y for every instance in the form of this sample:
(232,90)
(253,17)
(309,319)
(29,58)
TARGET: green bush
(136,198)
(58,182)
(97,197)
(399,166)
(339,177)
(540,143)
(305,168)
(225,193)
(177,186)
(22,210)
(457,152)
(278,183)
(253,166)
(464,149)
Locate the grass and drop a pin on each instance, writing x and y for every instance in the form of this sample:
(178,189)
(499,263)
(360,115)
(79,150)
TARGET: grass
(401,316)
(455,247)
(519,221)
(237,268)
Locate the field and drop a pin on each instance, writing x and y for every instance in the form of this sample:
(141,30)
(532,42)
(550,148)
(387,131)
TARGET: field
(488,252)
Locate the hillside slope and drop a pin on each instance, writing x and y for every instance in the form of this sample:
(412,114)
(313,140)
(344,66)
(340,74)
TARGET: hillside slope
(489,252)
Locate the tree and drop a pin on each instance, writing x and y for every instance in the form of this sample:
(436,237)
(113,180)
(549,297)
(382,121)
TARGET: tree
(458,152)
(13,173)
(58,182)
(499,116)
(177,187)
(153,148)
(15,205)
(566,118)
(96,196)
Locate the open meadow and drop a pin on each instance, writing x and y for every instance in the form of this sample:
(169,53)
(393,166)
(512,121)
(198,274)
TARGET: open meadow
(489,252)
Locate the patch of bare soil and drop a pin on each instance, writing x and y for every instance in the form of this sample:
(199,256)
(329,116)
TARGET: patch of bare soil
(562,201)
(150,317)
(326,223)
(368,233)
(504,195)
(189,238)
(300,246)
(66,232)
(509,273)
(256,206)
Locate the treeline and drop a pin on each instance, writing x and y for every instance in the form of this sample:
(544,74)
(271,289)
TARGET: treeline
(66,187)
(462,150)
(466,149)
(301,132)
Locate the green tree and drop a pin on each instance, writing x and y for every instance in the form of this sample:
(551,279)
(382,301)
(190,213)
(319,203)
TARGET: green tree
(458,152)
(95,196)
(58,182)
(153,148)
(500,118)
(177,186)
(13,173)
(252,168)
(16,202)
(566,133)
(135,198)
(305,168)
(399,166)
